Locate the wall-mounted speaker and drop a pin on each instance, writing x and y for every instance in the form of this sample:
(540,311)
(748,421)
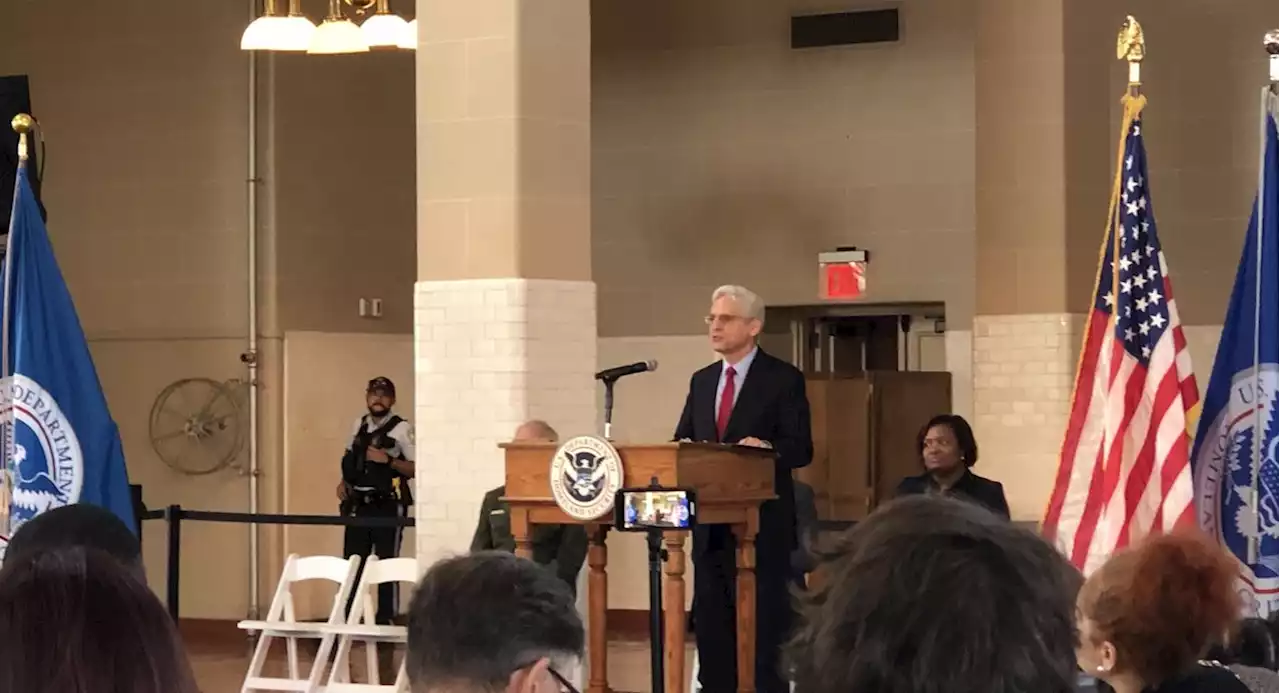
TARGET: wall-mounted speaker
(845,28)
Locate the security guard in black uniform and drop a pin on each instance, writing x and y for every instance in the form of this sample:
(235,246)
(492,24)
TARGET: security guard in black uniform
(376,473)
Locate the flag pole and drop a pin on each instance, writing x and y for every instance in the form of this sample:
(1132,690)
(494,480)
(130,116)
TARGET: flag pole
(1265,106)
(1131,47)
(22,124)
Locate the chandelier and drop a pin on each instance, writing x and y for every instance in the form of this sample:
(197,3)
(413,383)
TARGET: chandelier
(293,32)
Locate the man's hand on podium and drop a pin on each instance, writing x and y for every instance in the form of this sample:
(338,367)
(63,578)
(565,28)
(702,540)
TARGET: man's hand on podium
(752,442)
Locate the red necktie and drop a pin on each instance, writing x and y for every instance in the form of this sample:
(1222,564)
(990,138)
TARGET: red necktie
(726,402)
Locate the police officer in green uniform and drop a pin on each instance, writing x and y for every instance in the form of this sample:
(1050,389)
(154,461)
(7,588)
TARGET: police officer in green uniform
(376,471)
(561,547)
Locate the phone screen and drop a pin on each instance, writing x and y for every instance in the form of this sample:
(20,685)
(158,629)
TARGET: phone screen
(660,509)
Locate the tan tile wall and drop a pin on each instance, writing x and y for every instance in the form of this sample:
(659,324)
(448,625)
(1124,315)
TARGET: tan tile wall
(721,155)
(646,408)
(1201,128)
(324,380)
(1023,369)
(339,143)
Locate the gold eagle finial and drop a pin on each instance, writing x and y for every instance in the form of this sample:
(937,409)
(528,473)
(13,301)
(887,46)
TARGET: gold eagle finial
(1130,45)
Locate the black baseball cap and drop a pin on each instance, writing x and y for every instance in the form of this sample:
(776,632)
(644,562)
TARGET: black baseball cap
(382,384)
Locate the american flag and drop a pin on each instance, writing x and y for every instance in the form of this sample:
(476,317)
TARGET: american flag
(1124,469)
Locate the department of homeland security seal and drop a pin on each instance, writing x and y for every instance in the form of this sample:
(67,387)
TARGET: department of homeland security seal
(41,451)
(586,473)
(1224,479)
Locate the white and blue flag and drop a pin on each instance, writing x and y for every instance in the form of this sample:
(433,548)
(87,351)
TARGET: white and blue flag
(61,445)
(1236,444)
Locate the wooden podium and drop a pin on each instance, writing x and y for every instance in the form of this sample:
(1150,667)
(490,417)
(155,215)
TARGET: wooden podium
(731,482)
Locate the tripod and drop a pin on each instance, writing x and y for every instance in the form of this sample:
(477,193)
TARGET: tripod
(657,555)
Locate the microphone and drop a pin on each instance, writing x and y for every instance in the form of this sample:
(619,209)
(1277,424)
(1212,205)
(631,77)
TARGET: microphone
(629,369)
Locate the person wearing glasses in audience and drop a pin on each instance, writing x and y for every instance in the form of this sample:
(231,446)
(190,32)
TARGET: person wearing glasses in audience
(492,622)
(948,452)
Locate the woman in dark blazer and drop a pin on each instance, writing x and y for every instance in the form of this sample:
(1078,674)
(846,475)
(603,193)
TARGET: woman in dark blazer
(948,450)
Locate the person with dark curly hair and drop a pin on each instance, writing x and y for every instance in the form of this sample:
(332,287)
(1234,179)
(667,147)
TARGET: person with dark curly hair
(948,451)
(934,595)
(1149,614)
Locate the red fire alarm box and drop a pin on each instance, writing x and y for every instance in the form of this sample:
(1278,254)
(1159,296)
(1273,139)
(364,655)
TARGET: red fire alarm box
(842,275)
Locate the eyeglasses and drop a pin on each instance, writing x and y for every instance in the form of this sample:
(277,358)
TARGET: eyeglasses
(723,319)
(565,686)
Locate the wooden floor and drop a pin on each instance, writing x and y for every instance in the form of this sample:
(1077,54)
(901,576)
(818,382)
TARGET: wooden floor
(221,668)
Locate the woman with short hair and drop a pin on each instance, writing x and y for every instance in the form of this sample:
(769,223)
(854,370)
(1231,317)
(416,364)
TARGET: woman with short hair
(948,451)
(1149,614)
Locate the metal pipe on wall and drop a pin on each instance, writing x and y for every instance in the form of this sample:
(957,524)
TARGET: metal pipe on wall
(251,356)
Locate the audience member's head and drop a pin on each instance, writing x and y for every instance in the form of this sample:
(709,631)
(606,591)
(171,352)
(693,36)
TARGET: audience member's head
(1149,613)
(75,619)
(1252,643)
(493,622)
(535,430)
(928,592)
(946,444)
(78,525)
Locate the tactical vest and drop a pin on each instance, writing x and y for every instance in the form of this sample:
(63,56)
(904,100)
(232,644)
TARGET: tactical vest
(359,472)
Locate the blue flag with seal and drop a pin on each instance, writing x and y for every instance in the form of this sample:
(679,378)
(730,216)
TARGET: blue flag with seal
(61,445)
(1235,450)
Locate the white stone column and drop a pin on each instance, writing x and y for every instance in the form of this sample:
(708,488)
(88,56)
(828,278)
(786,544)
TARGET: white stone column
(490,354)
(505,309)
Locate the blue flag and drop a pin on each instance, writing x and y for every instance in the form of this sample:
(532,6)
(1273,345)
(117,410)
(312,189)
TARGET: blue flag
(61,445)
(1240,410)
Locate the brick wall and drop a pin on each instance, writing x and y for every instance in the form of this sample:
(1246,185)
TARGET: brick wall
(1023,366)
(490,354)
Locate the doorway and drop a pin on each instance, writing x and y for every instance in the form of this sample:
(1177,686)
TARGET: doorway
(874,374)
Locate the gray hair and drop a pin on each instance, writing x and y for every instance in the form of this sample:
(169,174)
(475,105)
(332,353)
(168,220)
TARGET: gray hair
(751,304)
(477,618)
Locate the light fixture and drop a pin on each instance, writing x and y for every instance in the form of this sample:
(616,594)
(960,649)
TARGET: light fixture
(337,34)
(262,32)
(271,32)
(383,29)
(296,34)
(409,36)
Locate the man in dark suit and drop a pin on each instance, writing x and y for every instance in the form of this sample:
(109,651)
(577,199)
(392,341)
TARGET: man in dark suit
(746,398)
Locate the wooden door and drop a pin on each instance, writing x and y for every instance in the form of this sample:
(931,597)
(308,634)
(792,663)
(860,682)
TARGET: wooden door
(840,473)
(902,402)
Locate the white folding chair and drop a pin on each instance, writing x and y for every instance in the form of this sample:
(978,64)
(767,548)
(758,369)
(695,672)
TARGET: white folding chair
(362,625)
(281,622)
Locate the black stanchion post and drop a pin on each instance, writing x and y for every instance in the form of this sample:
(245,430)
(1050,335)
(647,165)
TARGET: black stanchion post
(173,519)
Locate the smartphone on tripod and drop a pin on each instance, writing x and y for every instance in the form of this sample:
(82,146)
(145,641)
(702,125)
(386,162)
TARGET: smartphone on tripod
(645,509)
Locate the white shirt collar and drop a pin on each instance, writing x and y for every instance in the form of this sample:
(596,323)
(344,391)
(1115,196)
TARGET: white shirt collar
(742,366)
